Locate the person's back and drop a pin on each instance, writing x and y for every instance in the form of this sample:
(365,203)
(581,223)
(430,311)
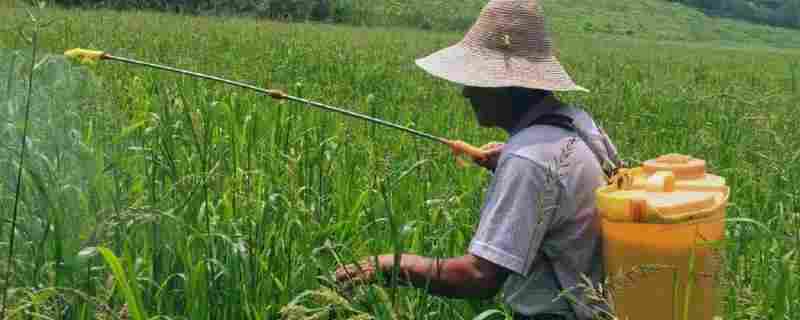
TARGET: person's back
(551,239)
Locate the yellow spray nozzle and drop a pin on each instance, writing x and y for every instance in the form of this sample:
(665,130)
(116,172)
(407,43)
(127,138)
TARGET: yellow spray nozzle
(85,56)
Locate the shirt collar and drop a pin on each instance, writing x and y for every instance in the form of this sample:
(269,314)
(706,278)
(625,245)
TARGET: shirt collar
(545,106)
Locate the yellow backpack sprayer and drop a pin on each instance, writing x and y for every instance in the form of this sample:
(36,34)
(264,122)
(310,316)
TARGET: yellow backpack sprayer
(662,223)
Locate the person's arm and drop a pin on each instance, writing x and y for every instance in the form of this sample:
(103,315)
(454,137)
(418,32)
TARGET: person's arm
(514,220)
(462,277)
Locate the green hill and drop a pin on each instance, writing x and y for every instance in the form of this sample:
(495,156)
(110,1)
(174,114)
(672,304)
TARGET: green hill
(663,21)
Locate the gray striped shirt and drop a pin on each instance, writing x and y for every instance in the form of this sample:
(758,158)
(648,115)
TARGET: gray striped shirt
(539,218)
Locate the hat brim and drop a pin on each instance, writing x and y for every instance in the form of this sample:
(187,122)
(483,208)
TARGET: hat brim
(494,69)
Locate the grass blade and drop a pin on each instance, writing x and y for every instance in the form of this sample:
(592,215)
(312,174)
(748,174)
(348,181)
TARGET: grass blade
(129,291)
(489,314)
(783,283)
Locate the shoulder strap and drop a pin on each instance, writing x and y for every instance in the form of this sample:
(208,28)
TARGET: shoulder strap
(609,163)
(556,120)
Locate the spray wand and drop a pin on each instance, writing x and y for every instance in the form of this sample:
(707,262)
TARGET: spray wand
(457,147)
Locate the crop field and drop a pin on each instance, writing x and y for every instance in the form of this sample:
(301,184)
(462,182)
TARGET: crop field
(148,195)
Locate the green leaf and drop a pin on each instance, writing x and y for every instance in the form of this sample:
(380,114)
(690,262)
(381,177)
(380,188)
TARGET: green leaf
(783,283)
(488,314)
(43,296)
(131,128)
(359,204)
(122,280)
(751,221)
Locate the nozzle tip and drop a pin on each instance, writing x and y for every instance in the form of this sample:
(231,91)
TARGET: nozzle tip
(84,56)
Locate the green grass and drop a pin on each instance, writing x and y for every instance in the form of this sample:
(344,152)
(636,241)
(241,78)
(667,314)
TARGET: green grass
(221,204)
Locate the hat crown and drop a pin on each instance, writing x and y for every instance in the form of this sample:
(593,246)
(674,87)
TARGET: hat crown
(508,46)
(515,27)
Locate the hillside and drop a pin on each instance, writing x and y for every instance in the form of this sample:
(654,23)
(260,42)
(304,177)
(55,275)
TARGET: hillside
(659,20)
(634,19)
(662,21)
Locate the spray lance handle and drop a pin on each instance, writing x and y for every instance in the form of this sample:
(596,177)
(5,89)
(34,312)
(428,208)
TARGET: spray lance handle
(462,148)
(485,156)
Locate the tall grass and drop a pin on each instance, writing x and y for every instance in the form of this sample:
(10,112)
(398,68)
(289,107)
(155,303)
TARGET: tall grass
(18,189)
(221,204)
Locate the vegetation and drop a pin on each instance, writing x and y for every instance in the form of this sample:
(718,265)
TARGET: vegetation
(153,195)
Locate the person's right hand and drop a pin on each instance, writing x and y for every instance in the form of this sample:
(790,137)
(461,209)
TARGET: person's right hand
(493,151)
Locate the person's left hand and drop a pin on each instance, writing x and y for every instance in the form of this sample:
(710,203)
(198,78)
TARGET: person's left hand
(493,151)
(364,272)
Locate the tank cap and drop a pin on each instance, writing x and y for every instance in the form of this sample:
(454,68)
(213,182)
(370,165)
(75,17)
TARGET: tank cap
(662,181)
(682,166)
(674,158)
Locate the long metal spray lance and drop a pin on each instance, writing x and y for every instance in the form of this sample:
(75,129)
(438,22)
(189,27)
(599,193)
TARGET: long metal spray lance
(458,147)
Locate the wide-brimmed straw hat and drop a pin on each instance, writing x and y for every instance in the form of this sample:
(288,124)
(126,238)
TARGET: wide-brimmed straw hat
(508,46)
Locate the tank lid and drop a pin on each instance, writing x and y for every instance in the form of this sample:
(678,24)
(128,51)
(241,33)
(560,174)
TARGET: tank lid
(682,166)
(669,189)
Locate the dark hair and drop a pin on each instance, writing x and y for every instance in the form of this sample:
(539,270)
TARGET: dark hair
(522,99)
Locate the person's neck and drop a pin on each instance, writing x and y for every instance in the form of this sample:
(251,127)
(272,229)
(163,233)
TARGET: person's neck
(508,126)
(511,119)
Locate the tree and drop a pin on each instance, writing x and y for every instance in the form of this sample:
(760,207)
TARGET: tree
(741,9)
(791,13)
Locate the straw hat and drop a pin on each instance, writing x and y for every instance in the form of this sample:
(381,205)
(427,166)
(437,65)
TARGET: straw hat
(508,46)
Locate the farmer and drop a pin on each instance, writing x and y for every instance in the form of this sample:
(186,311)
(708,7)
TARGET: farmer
(538,235)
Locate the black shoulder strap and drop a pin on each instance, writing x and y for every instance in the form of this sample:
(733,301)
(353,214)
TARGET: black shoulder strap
(556,120)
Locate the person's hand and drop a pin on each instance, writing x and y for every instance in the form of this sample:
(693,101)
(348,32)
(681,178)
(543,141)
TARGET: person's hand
(364,272)
(493,151)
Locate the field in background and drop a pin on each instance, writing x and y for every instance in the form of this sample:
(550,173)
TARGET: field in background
(659,20)
(221,204)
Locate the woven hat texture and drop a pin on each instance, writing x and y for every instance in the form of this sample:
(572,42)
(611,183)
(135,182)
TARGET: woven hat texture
(508,46)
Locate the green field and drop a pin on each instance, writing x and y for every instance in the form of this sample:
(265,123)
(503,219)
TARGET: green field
(222,204)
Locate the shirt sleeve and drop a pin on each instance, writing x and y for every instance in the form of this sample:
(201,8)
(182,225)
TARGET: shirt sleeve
(517,212)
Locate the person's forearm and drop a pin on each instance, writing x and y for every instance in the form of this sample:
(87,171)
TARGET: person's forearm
(454,277)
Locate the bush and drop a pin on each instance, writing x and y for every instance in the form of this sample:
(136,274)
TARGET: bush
(784,13)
